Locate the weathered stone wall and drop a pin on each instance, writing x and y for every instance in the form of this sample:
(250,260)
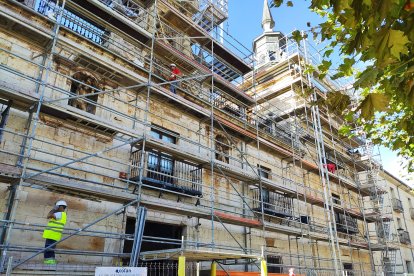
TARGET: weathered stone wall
(33,207)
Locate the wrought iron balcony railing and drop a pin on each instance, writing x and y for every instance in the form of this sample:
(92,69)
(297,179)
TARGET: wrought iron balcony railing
(163,171)
(346,224)
(274,204)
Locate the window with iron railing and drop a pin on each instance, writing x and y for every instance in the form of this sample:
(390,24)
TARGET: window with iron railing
(162,170)
(275,204)
(345,223)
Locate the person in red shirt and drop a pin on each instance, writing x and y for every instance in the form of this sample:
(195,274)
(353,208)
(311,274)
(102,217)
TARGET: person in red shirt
(175,72)
(331,167)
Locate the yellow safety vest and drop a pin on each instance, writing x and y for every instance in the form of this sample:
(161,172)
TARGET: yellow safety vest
(54,228)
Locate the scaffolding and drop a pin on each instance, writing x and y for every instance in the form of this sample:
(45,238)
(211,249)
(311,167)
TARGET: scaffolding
(97,119)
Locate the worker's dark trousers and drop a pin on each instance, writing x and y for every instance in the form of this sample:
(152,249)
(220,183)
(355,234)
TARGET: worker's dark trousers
(50,253)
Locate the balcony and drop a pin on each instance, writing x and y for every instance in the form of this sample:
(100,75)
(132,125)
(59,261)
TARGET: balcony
(163,171)
(404,237)
(346,224)
(397,205)
(274,204)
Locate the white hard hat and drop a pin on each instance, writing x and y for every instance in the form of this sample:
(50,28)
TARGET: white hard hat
(173,64)
(61,202)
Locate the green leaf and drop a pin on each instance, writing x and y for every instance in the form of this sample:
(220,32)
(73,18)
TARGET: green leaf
(367,78)
(346,66)
(328,53)
(289,4)
(324,67)
(337,102)
(397,43)
(297,36)
(277,3)
(372,103)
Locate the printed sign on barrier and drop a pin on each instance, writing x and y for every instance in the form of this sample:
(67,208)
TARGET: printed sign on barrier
(121,271)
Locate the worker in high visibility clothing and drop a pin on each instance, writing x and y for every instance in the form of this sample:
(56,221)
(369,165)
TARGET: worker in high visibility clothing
(54,229)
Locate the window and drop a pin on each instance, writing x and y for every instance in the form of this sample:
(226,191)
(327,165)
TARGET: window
(410,204)
(160,167)
(164,134)
(274,264)
(263,171)
(266,198)
(348,269)
(336,199)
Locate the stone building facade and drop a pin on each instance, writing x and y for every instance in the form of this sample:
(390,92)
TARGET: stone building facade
(238,166)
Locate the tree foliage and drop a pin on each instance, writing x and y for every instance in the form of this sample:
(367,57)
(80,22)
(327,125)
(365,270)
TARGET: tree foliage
(379,34)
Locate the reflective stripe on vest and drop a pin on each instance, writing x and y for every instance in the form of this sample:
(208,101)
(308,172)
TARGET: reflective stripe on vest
(54,228)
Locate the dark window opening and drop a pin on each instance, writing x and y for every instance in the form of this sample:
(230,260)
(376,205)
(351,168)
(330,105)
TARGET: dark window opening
(84,84)
(274,264)
(157,236)
(348,269)
(263,171)
(336,199)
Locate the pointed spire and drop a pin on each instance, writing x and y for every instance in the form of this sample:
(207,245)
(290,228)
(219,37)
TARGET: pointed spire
(267,20)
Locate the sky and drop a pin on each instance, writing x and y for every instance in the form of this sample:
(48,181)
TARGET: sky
(244,24)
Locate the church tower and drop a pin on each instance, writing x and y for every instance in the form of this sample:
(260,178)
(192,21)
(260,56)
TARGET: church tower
(268,47)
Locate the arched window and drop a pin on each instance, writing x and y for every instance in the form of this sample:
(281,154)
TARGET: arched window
(222,149)
(84,83)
